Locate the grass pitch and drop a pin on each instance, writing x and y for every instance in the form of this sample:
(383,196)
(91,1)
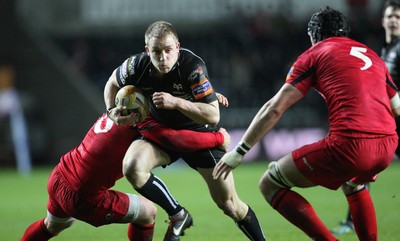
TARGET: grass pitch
(23,200)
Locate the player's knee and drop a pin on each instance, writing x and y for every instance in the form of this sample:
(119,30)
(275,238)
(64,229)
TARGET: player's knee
(132,173)
(150,211)
(272,181)
(55,225)
(142,211)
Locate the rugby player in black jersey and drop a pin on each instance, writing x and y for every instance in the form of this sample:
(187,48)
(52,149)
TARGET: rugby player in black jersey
(182,97)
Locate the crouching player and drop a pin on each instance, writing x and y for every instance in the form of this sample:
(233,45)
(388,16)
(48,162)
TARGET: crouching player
(79,186)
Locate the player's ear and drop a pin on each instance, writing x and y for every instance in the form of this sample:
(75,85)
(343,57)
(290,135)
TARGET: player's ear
(147,50)
(178,45)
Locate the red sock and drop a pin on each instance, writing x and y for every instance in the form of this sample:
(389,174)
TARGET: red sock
(299,212)
(183,140)
(140,233)
(363,214)
(37,231)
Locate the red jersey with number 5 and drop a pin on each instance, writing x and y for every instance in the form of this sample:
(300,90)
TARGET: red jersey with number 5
(354,82)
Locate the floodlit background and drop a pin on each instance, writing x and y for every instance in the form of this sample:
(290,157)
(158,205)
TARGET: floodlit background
(62,53)
(56,55)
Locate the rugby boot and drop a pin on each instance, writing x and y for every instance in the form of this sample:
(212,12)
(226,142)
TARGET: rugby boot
(178,225)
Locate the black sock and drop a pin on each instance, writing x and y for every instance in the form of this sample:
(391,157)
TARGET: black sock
(250,226)
(156,191)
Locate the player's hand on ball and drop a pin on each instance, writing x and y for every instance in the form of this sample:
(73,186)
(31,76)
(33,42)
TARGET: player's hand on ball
(115,114)
(227,163)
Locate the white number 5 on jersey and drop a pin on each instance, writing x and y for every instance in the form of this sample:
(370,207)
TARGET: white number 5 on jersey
(358,53)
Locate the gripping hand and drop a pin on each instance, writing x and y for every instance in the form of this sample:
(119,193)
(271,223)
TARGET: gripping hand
(227,163)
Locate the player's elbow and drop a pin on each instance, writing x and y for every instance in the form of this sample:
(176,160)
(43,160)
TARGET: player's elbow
(214,121)
(273,110)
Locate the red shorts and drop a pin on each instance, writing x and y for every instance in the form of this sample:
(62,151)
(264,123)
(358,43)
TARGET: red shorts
(337,159)
(103,207)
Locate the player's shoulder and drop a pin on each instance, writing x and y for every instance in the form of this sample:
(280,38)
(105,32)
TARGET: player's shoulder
(135,63)
(188,57)
(140,59)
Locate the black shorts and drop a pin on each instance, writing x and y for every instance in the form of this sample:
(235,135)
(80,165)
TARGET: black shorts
(204,159)
(207,158)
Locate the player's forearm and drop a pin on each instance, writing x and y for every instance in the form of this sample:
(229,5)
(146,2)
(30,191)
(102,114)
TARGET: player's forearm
(204,113)
(263,122)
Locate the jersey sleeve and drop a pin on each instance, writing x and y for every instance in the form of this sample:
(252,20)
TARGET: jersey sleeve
(301,74)
(126,70)
(202,90)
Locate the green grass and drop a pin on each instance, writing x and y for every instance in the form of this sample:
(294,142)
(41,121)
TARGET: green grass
(23,200)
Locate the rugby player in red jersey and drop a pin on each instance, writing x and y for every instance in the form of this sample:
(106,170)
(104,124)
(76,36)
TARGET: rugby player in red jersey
(390,53)
(79,186)
(362,101)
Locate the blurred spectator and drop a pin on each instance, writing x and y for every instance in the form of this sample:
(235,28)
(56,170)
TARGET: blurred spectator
(10,106)
(80,57)
(358,16)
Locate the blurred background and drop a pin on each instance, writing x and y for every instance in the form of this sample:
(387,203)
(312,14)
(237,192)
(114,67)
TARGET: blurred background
(55,57)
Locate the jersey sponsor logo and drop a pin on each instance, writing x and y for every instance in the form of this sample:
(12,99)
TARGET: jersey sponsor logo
(131,66)
(201,89)
(197,74)
(123,73)
(124,69)
(290,72)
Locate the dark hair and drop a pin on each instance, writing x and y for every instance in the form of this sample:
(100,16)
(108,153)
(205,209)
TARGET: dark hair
(327,23)
(391,3)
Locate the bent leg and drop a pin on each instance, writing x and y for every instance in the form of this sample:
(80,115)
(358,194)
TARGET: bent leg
(141,158)
(142,213)
(275,186)
(225,196)
(47,228)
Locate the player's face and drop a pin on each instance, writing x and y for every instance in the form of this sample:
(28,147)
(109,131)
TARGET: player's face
(391,22)
(163,52)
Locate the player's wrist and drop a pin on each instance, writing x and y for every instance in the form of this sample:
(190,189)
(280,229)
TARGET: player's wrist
(233,158)
(242,147)
(108,111)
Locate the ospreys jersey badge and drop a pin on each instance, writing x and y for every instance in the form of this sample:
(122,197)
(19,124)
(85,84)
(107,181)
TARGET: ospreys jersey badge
(177,87)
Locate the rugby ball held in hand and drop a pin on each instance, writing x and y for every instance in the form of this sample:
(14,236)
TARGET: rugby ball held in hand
(135,101)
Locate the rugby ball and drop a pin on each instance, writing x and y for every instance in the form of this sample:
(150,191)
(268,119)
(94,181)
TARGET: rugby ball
(135,101)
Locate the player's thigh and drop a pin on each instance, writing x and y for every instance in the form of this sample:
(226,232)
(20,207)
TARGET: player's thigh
(291,172)
(143,155)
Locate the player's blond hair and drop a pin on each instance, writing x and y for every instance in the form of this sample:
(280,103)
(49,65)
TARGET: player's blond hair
(160,29)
